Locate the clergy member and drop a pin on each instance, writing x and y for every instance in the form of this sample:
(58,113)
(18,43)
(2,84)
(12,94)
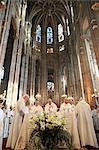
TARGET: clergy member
(85,124)
(36,108)
(1,125)
(95,116)
(24,135)
(69,114)
(71,101)
(20,110)
(50,106)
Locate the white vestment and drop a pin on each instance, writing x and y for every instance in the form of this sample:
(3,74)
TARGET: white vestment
(1,127)
(85,124)
(5,126)
(24,135)
(69,114)
(95,116)
(50,108)
(36,109)
(16,123)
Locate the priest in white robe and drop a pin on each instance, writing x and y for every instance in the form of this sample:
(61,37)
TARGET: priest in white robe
(20,110)
(24,135)
(5,125)
(95,116)
(85,124)
(35,109)
(1,125)
(69,114)
(50,107)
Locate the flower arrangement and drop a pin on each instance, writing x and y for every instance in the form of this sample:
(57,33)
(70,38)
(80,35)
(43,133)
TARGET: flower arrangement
(49,133)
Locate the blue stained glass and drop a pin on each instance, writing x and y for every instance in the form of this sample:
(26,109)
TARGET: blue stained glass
(49,35)
(38,33)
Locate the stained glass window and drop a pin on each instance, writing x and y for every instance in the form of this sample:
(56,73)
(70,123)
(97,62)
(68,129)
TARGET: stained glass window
(38,33)
(50,86)
(49,35)
(68,29)
(61,48)
(50,50)
(60,33)
(72,14)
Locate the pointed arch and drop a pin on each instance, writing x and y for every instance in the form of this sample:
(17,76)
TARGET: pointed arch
(60,33)
(49,35)
(38,33)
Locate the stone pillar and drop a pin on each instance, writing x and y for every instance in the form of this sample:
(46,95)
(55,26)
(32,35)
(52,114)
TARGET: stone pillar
(5,33)
(39,80)
(22,76)
(92,64)
(33,71)
(13,66)
(3,15)
(73,87)
(26,70)
(77,50)
(18,61)
(43,68)
(92,43)
(56,65)
(93,16)
(24,67)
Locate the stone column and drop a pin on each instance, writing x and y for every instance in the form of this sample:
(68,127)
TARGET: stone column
(12,68)
(93,19)
(22,76)
(43,68)
(73,87)
(33,71)
(3,14)
(26,70)
(27,49)
(56,65)
(5,33)
(77,46)
(18,61)
(92,43)
(39,80)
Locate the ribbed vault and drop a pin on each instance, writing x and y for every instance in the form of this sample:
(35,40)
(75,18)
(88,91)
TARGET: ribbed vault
(50,11)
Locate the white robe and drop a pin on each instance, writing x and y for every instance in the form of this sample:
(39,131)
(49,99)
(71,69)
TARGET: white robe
(36,109)
(6,126)
(1,127)
(16,123)
(95,116)
(85,124)
(69,114)
(50,108)
(24,135)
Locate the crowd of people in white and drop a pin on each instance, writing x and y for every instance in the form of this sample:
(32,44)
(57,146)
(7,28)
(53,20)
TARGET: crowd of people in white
(15,125)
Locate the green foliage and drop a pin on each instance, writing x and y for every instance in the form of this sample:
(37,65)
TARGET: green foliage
(51,139)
